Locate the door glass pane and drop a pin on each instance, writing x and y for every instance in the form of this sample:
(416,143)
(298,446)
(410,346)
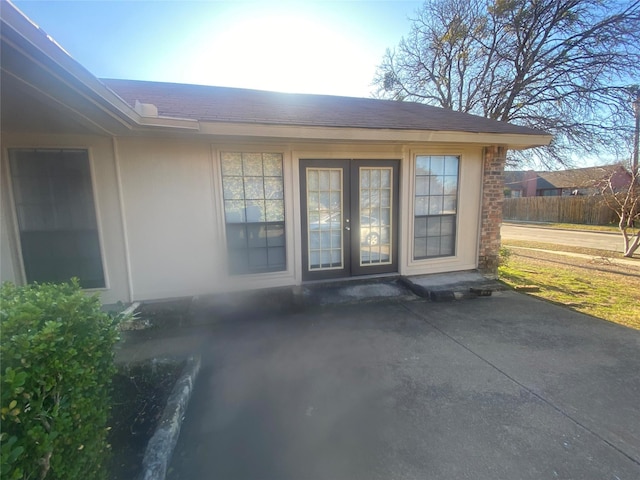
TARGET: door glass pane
(375,204)
(324,214)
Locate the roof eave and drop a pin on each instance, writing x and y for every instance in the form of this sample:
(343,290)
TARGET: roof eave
(305,132)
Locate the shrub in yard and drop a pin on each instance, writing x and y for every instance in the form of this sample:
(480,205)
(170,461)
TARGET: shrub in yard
(504,254)
(56,359)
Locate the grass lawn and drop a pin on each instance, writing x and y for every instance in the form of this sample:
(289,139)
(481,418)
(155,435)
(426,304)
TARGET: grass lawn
(575,226)
(598,286)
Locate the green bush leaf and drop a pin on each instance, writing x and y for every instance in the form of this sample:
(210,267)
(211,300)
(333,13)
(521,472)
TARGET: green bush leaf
(57,358)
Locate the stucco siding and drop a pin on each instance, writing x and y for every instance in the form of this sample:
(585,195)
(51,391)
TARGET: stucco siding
(161,216)
(167,190)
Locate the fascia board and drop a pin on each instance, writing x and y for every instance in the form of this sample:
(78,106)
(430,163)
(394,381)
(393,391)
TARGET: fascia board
(516,141)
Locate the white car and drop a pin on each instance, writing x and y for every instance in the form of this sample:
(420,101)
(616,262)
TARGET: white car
(371,232)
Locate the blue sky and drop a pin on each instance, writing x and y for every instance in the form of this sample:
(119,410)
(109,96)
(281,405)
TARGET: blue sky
(325,47)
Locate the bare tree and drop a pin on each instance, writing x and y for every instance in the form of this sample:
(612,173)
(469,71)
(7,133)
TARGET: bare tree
(563,66)
(625,202)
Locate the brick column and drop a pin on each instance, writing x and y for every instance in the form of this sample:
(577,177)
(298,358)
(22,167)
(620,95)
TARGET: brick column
(492,200)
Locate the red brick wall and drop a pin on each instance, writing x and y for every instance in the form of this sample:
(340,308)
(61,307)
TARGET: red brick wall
(492,200)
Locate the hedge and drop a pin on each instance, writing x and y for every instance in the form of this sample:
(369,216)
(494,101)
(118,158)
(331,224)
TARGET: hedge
(56,359)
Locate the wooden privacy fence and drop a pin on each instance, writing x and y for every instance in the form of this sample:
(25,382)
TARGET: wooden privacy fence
(584,210)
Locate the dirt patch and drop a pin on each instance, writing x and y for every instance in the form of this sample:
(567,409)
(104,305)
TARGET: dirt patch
(140,393)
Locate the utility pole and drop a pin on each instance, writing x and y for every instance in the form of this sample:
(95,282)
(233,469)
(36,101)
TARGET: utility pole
(636,136)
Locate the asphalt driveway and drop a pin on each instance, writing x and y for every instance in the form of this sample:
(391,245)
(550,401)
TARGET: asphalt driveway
(505,387)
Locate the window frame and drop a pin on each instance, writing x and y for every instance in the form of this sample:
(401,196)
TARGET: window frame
(263,224)
(423,203)
(100,279)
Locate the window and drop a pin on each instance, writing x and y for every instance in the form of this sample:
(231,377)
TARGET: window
(56,216)
(253,192)
(435,208)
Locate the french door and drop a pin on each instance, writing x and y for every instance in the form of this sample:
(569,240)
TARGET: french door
(349,217)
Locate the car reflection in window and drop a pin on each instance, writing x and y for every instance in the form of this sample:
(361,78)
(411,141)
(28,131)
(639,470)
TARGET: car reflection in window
(371,231)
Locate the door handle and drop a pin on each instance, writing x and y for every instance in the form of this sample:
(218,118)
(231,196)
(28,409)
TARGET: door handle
(347,228)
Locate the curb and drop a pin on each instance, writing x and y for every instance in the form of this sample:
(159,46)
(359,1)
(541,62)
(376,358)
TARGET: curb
(160,448)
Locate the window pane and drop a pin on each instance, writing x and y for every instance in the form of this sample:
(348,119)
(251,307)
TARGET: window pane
(436,186)
(447,225)
(258,259)
(253,188)
(252,164)
(233,188)
(272,164)
(237,235)
(385,180)
(276,257)
(422,165)
(433,226)
(420,248)
(275,235)
(449,204)
(232,164)
(433,247)
(451,166)
(435,205)
(255,211)
(313,181)
(422,185)
(422,204)
(273,188)
(275,210)
(325,180)
(256,236)
(447,245)
(450,185)
(420,227)
(234,211)
(336,180)
(437,166)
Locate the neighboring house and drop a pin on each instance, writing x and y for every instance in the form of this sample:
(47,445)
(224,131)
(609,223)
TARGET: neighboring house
(578,181)
(155,190)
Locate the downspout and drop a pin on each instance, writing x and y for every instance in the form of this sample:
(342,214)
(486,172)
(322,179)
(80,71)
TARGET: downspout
(481,209)
(125,233)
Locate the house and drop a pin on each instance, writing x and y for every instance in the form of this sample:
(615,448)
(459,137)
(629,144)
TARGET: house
(150,190)
(577,181)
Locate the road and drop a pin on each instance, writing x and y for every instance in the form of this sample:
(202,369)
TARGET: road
(599,240)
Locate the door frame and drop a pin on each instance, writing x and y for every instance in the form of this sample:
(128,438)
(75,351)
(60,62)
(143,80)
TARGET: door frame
(350,201)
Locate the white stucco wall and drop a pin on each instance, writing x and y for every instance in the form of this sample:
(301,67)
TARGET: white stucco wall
(161,220)
(168,204)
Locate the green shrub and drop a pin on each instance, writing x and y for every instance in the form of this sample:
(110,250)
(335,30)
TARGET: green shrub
(56,358)
(504,255)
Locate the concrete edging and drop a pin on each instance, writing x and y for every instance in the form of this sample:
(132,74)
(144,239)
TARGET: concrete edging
(160,448)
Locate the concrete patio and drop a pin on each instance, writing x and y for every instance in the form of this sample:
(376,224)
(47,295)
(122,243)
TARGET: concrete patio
(502,387)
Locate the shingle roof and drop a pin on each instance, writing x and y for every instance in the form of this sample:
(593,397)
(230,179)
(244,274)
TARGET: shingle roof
(579,177)
(513,177)
(236,105)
